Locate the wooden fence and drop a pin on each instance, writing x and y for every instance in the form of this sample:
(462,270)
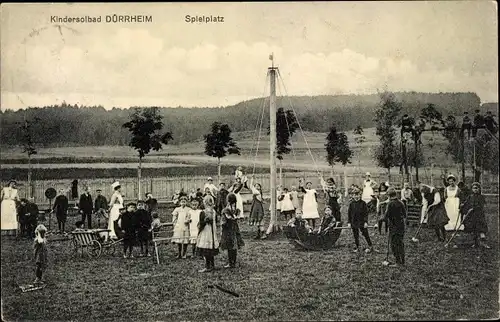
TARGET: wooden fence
(163,188)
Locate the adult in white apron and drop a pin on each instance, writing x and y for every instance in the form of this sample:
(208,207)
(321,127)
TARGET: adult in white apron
(115,204)
(452,204)
(8,212)
(368,185)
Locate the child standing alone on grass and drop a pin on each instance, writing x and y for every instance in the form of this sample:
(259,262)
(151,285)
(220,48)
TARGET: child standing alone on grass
(40,252)
(358,220)
(181,219)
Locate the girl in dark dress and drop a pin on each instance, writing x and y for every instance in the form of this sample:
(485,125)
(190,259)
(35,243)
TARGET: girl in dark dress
(433,207)
(231,237)
(257,210)
(475,222)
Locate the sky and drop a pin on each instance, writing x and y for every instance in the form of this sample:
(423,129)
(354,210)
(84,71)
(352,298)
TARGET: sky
(320,48)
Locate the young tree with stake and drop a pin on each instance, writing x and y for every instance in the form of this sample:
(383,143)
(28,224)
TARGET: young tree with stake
(359,138)
(219,143)
(387,153)
(337,149)
(286,125)
(145,125)
(28,144)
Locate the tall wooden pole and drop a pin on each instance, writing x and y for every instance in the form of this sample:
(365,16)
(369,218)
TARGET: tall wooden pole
(462,141)
(272,148)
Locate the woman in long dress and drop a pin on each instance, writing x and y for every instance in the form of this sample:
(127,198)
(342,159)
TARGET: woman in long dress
(310,205)
(8,209)
(115,204)
(368,186)
(236,188)
(452,204)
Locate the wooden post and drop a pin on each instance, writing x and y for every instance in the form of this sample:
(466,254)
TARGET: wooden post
(272,148)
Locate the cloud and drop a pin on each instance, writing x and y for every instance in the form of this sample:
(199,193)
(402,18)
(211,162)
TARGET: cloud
(134,67)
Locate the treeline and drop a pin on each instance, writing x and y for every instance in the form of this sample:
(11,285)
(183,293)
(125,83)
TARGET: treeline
(72,125)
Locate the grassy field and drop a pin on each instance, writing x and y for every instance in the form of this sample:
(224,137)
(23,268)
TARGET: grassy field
(275,282)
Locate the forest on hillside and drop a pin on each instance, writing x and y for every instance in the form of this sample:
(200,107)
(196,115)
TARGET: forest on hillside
(73,125)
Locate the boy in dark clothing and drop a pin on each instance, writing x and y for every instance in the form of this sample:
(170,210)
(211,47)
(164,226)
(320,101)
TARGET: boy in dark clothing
(466,125)
(86,207)
(28,218)
(151,204)
(395,217)
(144,220)
(129,229)
(358,220)
(100,206)
(478,123)
(490,123)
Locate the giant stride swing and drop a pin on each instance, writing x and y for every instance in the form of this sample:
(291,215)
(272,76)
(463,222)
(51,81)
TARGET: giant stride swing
(300,238)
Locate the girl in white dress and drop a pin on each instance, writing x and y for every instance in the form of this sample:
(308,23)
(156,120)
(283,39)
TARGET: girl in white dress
(193,225)
(368,185)
(181,218)
(295,198)
(8,209)
(236,188)
(310,204)
(115,204)
(286,201)
(452,204)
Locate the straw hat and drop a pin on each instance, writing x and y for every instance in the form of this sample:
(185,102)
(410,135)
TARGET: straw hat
(368,174)
(451,177)
(115,185)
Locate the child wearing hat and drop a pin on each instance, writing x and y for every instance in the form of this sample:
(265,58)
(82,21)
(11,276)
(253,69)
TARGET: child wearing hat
(395,216)
(358,220)
(181,218)
(473,216)
(452,203)
(129,229)
(40,252)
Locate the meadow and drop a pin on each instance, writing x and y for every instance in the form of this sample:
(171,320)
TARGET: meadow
(274,281)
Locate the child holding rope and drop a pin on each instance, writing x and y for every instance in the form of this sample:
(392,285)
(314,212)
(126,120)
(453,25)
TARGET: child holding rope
(358,220)
(196,209)
(257,210)
(207,241)
(475,221)
(40,252)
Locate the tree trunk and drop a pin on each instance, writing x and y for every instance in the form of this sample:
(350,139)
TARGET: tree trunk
(29,189)
(218,170)
(281,174)
(139,179)
(389,174)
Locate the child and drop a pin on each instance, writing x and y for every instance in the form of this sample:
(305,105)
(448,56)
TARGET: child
(221,200)
(194,214)
(143,224)
(466,124)
(310,204)
(358,220)
(395,217)
(406,194)
(231,237)
(129,229)
(208,243)
(299,223)
(333,198)
(433,208)
(475,222)
(181,219)
(382,201)
(79,226)
(328,221)
(40,252)
(286,201)
(235,189)
(295,199)
(155,224)
(257,210)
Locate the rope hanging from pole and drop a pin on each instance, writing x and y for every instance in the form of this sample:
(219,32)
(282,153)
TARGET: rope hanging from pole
(301,130)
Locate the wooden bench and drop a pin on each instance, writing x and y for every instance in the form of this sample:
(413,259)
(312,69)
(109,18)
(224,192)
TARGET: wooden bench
(162,235)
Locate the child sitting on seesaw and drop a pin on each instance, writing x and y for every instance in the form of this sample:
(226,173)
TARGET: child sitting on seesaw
(328,221)
(299,223)
(79,226)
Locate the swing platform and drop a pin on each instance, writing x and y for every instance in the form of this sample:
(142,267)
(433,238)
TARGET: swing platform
(32,287)
(302,240)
